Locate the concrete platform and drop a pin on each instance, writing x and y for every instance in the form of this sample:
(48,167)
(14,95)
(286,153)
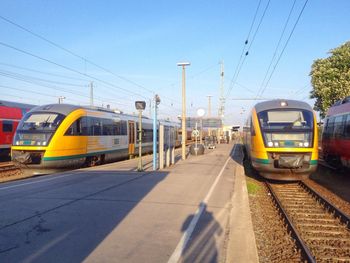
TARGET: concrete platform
(240,242)
(194,211)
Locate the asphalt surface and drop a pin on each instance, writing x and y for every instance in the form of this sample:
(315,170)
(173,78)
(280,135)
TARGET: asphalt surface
(113,214)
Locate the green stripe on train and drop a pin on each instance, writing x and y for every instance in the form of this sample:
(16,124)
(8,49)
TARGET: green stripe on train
(262,161)
(69,157)
(313,162)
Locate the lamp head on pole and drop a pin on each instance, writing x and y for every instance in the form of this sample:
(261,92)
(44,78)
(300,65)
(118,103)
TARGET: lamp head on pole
(140,105)
(157,99)
(182,64)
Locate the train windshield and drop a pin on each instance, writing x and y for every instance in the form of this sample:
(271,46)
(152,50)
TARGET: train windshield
(286,120)
(287,128)
(36,129)
(41,122)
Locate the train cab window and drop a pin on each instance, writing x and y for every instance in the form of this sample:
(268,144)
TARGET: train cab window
(7,126)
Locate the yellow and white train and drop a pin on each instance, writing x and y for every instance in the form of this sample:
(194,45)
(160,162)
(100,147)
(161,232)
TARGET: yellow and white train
(64,136)
(281,139)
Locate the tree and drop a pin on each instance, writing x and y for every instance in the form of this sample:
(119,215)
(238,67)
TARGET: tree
(330,78)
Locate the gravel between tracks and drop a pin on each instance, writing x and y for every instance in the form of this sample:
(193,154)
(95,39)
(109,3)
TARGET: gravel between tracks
(274,244)
(333,185)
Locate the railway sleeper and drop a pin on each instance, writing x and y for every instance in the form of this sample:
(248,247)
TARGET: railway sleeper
(314,211)
(323,221)
(311,234)
(309,215)
(294,206)
(334,251)
(324,232)
(332,242)
(300,201)
(333,259)
(322,227)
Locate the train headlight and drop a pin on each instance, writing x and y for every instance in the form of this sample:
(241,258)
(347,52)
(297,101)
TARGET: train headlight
(17,142)
(306,144)
(38,143)
(270,144)
(276,144)
(301,144)
(44,143)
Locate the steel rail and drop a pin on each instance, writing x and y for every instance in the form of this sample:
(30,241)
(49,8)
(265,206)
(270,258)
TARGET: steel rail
(306,253)
(344,218)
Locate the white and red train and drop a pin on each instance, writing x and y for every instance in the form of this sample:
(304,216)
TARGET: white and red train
(10,115)
(336,134)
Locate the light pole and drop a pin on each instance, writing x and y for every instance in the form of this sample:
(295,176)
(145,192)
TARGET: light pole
(155,105)
(209,112)
(60,99)
(183,118)
(140,106)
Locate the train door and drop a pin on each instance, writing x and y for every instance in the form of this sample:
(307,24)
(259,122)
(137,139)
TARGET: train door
(131,138)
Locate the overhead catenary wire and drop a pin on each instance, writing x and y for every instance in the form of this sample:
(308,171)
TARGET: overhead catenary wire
(240,65)
(246,42)
(90,62)
(284,47)
(78,56)
(32,92)
(57,88)
(35,80)
(85,61)
(42,72)
(41,79)
(69,69)
(277,46)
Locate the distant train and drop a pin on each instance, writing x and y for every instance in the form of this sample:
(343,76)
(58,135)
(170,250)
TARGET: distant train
(64,136)
(281,141)
(10,115)
(336,134)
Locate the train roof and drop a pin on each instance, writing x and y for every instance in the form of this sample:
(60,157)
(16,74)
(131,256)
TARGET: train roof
(16,104)
(277,104)
(66,109)
(339,107)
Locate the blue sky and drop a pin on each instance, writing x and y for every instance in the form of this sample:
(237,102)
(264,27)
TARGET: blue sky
(141,42)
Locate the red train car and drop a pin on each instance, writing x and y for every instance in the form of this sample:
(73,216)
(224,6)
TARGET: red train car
(10,115)
(336,134)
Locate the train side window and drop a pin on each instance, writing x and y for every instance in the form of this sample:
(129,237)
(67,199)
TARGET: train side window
(339,126)
(96,126)
(85,129)
(347,126)
(74,129)
(123,128)
(7,126)
(107,127)
(330,127)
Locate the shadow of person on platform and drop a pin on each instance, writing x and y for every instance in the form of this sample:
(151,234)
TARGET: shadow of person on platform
(200,245)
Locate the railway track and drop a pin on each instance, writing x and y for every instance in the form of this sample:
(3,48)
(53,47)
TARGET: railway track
(321,231)
(7,166)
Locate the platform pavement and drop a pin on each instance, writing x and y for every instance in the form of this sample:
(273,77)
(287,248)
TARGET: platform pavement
(194,211)
(240,243)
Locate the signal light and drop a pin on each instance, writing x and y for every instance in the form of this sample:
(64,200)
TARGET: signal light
(284,104)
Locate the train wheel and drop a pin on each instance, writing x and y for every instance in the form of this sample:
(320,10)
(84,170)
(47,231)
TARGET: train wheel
(91,161)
